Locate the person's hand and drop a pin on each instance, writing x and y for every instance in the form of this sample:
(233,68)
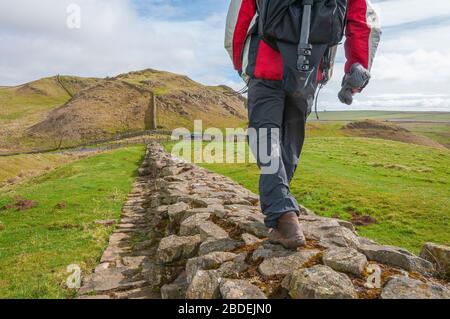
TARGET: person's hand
(353,82)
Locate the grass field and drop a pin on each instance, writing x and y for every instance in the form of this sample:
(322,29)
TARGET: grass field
(405,187)
(37,244)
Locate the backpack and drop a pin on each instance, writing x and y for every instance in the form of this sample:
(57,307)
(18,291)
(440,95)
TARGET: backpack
(280,20)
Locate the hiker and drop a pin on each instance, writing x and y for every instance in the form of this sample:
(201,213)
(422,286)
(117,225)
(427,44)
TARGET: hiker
(284,50)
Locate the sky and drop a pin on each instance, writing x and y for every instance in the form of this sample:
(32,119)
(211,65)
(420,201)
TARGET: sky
(411,71)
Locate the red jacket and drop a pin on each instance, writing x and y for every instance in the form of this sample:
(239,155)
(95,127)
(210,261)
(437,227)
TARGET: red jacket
(254,58)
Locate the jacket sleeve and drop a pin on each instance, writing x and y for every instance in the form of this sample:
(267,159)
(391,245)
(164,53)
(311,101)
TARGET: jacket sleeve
(239,18)
(362,34)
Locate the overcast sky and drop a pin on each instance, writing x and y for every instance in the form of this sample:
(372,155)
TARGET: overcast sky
(411,71)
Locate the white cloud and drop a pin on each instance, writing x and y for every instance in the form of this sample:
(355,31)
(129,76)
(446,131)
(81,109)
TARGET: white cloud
(113,38)
(395,12)
(411,59)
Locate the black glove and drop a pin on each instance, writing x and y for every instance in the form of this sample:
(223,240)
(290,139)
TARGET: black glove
(357,79)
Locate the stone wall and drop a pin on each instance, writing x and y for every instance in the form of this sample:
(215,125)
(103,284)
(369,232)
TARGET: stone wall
(186,232)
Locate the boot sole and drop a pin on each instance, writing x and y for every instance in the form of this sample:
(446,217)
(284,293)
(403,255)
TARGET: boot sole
(288,244)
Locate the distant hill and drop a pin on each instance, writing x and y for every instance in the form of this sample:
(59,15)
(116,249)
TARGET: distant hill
(71,110)
(387,131)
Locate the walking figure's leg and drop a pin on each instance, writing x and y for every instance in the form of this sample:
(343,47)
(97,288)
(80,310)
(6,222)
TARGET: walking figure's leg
(266,115)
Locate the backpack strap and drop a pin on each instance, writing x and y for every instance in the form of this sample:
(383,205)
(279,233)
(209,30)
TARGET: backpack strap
(304,47)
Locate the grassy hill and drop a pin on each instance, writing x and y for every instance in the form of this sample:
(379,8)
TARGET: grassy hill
(70,110)
(25,105)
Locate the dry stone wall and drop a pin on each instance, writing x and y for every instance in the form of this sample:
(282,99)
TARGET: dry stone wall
(186,232)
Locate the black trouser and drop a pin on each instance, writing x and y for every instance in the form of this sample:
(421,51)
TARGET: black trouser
(269,107)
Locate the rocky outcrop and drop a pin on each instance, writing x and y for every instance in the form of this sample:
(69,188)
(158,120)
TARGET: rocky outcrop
(186,232)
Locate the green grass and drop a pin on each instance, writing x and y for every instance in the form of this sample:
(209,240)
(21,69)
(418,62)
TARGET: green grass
(404,186)
(38,244)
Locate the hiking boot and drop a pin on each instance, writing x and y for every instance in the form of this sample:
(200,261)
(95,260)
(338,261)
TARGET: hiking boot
(288,233)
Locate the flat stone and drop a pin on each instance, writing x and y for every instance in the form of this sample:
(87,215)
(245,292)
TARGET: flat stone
(223,244)
(210,261)
(240,289)
(408,288)
(194,211)
(205,285)
(199,224)
(110,279)
(158,274)
(439,255)
(366,241)
(284,265)
(176,211)
(346,224)
(174,248)
(320,282)
(170,197)
(126,226)
(189,226)
(102,266)
(171,170)
(249,239)
(397,257)
(236,200)
(177,289)
(138,293)
(112,253)
(210,230)
(328,232)
(117,238)
(252,223)
(346,260)
(197,201)
(162,209)
(267,250)
(144,244)
(234,267)
(133,262)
